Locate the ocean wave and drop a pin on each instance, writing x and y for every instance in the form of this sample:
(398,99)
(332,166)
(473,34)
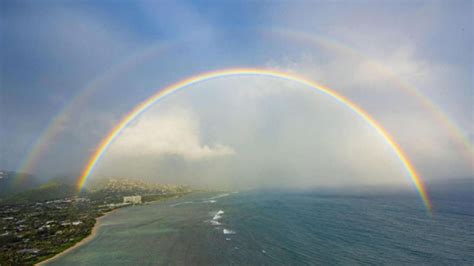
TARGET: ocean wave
(220,196)
(228,232)
(181,203)
(210,201)
(218,215)
(214,222)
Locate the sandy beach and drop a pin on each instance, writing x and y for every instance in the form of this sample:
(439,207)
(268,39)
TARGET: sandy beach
(80,243)
(93,233)
(88,238)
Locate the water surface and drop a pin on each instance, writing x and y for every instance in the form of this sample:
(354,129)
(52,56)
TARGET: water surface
(274,228)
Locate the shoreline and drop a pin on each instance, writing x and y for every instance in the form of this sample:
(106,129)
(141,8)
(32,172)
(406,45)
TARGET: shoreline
(84,241)
(94,230)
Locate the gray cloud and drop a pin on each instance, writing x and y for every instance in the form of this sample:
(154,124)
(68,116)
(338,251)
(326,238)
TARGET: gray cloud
(243,131)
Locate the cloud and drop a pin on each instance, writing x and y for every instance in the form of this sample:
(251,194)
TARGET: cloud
(418,130)
(283,133)
(385,63)
(49,51)
(175,132)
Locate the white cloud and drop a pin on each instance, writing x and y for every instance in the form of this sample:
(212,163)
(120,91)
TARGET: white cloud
(174,132)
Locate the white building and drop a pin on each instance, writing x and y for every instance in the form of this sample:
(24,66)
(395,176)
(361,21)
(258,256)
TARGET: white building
(133,199)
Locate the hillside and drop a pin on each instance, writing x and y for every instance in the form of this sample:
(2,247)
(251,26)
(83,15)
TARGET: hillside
(12,183)
(52,190)
(113,189)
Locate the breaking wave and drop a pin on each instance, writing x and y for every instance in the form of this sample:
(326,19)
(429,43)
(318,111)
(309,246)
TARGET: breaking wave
(181,203)
(218,215)
(228,232)
(220,196)
(215,219)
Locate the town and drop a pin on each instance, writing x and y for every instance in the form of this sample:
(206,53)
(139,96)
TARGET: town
(32,231)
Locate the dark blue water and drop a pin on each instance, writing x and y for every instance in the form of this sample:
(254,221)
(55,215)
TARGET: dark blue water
(276,228)
(306,228)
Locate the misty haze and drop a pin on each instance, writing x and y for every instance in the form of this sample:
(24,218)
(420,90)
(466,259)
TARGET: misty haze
(236,132)
(253,132)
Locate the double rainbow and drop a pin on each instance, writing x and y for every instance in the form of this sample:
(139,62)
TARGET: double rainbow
(52,129)
(142,107)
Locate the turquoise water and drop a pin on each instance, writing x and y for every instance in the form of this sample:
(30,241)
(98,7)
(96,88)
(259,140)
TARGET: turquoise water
(273,228)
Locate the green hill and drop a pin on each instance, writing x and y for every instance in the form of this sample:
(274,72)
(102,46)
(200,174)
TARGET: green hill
(114,189)
(52,190)
(12,183)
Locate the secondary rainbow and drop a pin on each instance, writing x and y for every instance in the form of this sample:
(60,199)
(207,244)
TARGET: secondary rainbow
(142,107)
(458,136)
(47,137)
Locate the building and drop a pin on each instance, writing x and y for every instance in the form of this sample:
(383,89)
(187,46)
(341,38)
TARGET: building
(133,199)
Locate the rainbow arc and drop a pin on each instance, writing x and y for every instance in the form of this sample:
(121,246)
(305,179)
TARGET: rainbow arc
(186,83)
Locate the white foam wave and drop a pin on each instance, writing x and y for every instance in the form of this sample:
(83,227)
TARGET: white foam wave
(181,203)
(218,215)
(221,196)
(214,222)
(210,201)
(228,232)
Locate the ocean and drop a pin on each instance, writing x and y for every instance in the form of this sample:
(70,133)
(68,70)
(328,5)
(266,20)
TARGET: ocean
(283,228)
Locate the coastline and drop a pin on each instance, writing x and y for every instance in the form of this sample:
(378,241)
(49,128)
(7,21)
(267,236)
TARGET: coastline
(84,241)
(94,230)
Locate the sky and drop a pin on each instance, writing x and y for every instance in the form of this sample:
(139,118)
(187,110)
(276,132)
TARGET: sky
(71,69)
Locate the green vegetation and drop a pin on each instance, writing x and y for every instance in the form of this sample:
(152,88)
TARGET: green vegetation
(49,191)
(42,222)
(12,183)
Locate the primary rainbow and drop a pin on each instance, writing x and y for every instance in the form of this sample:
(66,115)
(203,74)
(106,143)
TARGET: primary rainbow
(142,107)
(47,137)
